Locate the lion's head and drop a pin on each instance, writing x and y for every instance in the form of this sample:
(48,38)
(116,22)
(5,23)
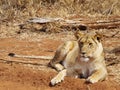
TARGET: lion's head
(90,45)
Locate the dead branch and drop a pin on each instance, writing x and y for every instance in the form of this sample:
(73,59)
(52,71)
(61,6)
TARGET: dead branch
(99,24)
(81,23)
(109,10)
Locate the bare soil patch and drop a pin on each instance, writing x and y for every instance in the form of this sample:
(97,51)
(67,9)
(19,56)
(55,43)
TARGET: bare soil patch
(35,75)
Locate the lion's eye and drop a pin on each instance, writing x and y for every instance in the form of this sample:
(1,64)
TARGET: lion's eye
(81,43)
(90,43)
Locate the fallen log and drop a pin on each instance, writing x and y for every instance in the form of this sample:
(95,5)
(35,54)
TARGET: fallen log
(98,24)
(80,23)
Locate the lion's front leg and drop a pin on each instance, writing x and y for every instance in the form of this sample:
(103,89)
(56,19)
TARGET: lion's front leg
(98,75)
(59,77)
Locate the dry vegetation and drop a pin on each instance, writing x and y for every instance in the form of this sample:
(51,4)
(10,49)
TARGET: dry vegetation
(22,9)
(16,12)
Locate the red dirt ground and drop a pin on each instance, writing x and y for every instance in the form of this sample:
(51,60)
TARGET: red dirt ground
(35,75)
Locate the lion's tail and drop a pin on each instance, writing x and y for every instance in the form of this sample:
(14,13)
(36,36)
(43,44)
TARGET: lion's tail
(32,57)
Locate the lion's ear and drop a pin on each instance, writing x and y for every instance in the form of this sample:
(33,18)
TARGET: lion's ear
(78,34)
(98,36)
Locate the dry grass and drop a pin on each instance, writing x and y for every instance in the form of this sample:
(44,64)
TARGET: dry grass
(22,9)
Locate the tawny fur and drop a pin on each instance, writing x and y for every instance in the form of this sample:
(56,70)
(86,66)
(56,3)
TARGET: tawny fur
(84,57)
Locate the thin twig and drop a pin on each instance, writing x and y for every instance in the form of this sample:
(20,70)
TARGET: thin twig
(110,11)
(115,34)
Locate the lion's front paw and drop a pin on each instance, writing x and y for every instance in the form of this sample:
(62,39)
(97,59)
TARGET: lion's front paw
(92,80)
(59,77)
(56,80)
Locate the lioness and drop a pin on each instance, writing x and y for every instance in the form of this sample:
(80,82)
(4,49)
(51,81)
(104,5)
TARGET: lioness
(82,58)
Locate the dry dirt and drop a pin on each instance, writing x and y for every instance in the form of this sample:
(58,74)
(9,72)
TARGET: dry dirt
(35,75)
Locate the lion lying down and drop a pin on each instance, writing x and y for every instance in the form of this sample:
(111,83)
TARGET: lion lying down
(82,58)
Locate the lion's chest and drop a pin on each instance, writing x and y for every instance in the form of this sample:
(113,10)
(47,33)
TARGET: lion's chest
(86,68)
